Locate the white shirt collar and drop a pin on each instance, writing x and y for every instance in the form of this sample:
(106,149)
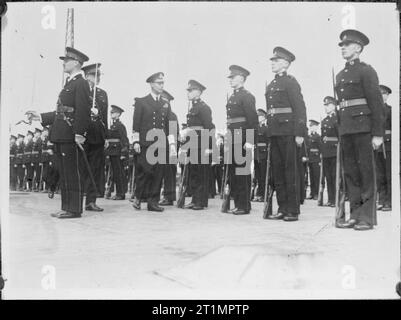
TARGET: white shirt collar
(155,97)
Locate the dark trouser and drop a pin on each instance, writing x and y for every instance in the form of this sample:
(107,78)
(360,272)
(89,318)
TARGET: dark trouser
(285,162)
(118,175)
(45,172)
(148,178)
(314,176)
(199,181)
(260,175)
(20,175)
(360,176)
(71,168)
(329,171)
(170,182)
(212,181)
(383,169)
(38,171)
(109,179)
(96,159)
(241,182)
(29,174)
(218,174)
(13,177)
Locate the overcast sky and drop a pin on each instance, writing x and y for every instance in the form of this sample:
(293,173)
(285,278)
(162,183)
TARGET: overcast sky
(189,41)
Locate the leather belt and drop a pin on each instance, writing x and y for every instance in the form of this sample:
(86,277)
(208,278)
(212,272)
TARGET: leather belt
(20,154)
(236,120)
(35,152)
(261,144)
(314,150)
(65,109)
(353,102)
(113,140)
(325,139)
(279,110)
(387,132)
(12,156)
(28,152)
(196,127)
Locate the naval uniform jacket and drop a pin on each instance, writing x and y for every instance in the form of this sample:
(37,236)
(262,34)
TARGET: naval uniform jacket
(151,114)
(286,111)
(37,150)
(241,114)
(64,125)
(97,129)
(200,117)
(261,143)
(28,152)
(313,143)
(119,144)
(20,153)
(359,80)
(13,153)
(329,133)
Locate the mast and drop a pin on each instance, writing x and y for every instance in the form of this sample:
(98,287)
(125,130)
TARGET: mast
(69,34)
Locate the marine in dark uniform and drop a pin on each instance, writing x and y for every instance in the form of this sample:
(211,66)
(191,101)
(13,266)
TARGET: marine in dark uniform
(241,115)
(260,156)
(170,169)
(36,159)
(151,112)
(313,143)
(95,137)
(361,129)
(28,147)
(199,121)
(69,126)
(117,149)
(286,121)
(13,165)
(329,141)
(383,157)
(20,162)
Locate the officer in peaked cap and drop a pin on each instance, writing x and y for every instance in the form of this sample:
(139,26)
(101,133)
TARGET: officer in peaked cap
(169,169)
(383,157)
(199,120)
(286,122)
(151,112)
(313,147)
(241,116)
(69,125)
(96,137)
(117,149)
(329,142)
(361,129)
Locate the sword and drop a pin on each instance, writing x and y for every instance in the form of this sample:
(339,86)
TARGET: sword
(88,167)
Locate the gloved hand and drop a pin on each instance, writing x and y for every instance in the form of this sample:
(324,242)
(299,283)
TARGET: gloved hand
(248,145)
(299,141)
(376,142)
(137,148)
(79,139)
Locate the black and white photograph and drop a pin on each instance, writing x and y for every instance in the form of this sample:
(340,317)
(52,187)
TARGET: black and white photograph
(200,150)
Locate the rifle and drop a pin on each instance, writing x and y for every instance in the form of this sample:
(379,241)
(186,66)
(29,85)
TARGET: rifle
(225,206)
(41,177)
(108,180)
(321,184)
(340,192)
(183,187)
(268,200)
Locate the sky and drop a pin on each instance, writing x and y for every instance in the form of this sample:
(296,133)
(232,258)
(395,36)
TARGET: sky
(189,41)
